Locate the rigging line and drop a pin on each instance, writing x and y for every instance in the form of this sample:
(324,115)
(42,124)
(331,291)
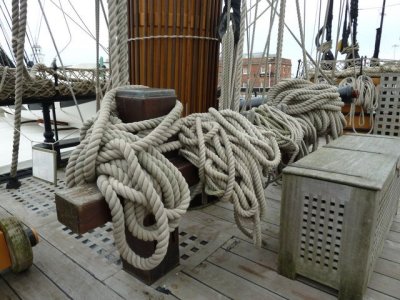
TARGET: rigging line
(59,58)
(308,54)
(339,27)
(104,14)
(322,37)
(7,37)
(367,8)
(80,26)
(267,46)
(259,16)
(66,23)
(39,26)
(30,38)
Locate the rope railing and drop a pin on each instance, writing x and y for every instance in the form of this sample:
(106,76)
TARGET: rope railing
(39,82)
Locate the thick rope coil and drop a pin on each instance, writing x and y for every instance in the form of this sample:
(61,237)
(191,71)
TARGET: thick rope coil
(316,106)
(233,156)
(131,168)
(287,129)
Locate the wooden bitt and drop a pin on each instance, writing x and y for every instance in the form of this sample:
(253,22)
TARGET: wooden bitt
(83,207)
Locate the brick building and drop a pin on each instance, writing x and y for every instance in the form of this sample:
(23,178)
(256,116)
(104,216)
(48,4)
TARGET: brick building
(259,70)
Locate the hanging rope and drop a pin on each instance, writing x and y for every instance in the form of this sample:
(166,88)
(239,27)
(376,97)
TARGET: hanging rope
(316,106)
(19,14)
(118,33)
(367,99)
(232,156)
(278,60)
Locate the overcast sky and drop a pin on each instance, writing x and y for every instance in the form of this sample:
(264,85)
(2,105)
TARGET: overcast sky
(80,47)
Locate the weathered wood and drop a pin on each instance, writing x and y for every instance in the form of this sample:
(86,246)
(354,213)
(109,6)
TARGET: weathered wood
(76,251)
(6,292)
(68,275)
(130,288)
(385,284)
(229,284)
(335,215)
(34,285)
(265,277)
(83,208)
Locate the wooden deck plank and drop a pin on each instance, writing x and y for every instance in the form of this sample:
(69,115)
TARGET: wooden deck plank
(33,285)
(183,286)
(229,284)
(130,288)
(388,268)
(68,245)
(6,292)
(393,236)
(68,275)
(267,228)
(385,285)
(371,294)
(391,251)
(265,277)
(395,226)
(260,256)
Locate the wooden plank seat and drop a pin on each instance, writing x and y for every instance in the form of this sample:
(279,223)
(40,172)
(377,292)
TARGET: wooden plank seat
(83,207)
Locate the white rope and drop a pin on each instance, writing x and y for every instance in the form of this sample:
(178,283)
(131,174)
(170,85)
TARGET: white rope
(278,60)
(303,46)
(367,99)
(19,15)
(227,66)
(239,59)
(118,33)
(131,168)
(233,156)
(316,106)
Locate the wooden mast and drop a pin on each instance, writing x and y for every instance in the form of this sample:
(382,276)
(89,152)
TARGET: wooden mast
(165,50)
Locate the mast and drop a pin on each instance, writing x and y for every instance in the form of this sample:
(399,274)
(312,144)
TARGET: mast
(379,33)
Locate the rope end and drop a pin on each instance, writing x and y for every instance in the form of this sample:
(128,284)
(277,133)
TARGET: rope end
(13,183)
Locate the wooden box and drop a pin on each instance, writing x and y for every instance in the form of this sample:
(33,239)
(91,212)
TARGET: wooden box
(337,207)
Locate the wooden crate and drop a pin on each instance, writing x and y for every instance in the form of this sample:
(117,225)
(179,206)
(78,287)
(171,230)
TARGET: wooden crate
(337,207)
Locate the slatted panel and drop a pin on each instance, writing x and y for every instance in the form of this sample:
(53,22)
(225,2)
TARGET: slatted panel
(387,119)
(321,230)
(159,58)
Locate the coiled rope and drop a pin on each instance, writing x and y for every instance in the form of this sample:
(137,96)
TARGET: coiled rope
(131,168)
(287,130)
(232,156)
(316,106)
(367,99)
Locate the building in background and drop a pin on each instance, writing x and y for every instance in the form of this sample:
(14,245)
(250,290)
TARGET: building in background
(257,71)
(261,72)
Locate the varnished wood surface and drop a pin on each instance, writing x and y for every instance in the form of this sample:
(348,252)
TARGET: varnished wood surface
(227,267)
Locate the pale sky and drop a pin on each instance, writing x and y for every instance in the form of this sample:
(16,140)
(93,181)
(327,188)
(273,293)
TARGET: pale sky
(80,47)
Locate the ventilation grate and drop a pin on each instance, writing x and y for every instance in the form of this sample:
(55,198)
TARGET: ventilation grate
(387,119)
(321,229)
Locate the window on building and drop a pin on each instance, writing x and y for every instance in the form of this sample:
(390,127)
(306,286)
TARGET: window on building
(245,70)
(244,84)
(262,70)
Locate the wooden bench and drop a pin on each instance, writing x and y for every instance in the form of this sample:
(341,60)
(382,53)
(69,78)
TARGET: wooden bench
(83,208)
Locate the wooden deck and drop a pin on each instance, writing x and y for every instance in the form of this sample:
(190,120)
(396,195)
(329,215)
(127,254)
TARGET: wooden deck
(217,261)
